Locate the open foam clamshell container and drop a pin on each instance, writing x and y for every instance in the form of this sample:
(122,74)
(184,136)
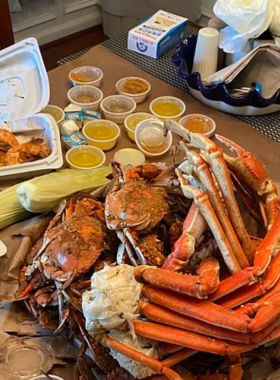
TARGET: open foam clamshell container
(24,91)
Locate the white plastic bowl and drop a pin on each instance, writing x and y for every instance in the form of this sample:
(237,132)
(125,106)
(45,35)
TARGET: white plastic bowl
(150,139)
(56,112)
(86,75)
(199,123)
(85,149)
(166,104)
(117,107)
(85,96)
(135,92)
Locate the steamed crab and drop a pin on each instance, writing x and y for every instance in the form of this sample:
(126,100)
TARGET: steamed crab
(71,245)
(135,205)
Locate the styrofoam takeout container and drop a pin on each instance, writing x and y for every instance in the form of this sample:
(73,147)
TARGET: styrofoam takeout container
(24,91)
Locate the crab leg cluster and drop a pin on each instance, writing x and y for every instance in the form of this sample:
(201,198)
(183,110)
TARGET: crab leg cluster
(264,190)
(174,306)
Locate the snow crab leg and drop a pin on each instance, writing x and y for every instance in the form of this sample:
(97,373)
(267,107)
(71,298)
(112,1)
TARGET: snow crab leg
(206,281)
(201,169)
(148,361)
(252,174)
(184,247)
(214,157)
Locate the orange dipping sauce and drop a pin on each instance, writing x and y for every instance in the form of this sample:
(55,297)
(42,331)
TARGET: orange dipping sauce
(198,124)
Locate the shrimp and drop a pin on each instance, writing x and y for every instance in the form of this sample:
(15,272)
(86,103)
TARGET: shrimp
(26,152)
(7,140)
(2,158)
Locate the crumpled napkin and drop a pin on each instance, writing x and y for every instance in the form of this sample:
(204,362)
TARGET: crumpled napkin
(261,65)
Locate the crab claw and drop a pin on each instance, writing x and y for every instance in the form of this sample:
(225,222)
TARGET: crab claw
(254,178)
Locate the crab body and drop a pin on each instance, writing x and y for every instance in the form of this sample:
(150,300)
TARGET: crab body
(134,207)
(77,243)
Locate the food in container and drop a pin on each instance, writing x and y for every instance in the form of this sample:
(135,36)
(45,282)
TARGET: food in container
(117,107)
(102,133)
(134,87)
(56,112)
(85,96)
(21,96)
(150,138)
(14,152)
(167,107)
(198,123)
(86,75)
(85,157)
(38,150)
(133,120)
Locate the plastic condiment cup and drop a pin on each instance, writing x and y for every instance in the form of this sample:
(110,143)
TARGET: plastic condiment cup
(150,138)
(56,112)
(167,107)
(117,107)
(98,129)
(25,358)
(85,96)
(86,75)
(198,123)
(131,122)
(134,87)
(85,150)
(129,156)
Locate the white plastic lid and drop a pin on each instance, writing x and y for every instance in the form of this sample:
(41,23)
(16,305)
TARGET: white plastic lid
(24,83)
(129,156)
(151,139)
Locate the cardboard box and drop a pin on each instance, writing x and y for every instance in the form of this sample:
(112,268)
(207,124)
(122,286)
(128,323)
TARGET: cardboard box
(157,34)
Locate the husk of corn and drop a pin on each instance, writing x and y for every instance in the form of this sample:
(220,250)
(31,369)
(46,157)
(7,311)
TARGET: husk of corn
(11,210)
(44,193)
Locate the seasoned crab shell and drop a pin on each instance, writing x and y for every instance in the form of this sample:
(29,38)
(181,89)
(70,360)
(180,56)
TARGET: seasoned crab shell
(78,242)
(135,200)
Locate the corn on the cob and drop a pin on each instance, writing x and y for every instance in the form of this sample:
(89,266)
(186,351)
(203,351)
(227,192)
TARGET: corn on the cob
(11,210)
(43,194)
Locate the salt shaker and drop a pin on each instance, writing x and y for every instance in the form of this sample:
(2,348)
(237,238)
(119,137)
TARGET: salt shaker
(206,52)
